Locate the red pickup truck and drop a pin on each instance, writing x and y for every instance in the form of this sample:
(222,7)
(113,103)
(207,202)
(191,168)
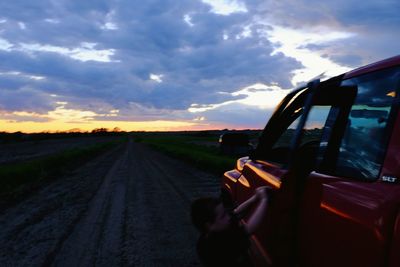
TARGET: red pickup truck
(331,153)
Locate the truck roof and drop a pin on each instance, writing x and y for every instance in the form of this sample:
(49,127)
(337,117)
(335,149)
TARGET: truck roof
(386,63)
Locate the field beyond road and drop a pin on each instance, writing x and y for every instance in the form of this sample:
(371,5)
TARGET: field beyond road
(127,207)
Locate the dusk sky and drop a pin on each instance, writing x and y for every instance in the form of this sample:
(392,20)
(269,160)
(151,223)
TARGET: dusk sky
(176,64)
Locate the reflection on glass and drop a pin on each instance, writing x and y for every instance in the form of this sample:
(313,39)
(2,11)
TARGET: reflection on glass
(363,146)
(311,133)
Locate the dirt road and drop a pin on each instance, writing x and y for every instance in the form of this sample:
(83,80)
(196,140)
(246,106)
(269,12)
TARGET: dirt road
(129,207)
(28,150)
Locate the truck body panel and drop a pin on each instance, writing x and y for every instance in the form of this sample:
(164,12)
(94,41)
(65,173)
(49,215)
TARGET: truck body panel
(331,152)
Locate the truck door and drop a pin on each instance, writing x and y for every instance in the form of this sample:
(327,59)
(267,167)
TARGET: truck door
(324,157)
(270,166)
(347,207)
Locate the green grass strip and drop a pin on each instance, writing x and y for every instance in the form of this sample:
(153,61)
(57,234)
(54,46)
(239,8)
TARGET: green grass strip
(204,157)
(18,177)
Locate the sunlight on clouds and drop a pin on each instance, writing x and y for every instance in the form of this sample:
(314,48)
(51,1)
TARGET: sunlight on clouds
(32,127)
(292,43)
(61,103)
(22,25)
(62,119)
(200,118)
(60,114)
(188,19)
(38,78)
(226,7)
(246,33)
(28,114)
(172,55)
(10,73)
(53,21)
(156,77)
(65,119)
(259,95)
(5,45)
(195,108)
(85,52)
(109,24)
(22,75)
(70,115)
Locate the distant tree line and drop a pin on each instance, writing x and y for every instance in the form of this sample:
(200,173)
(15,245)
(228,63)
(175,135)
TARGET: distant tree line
(6,137)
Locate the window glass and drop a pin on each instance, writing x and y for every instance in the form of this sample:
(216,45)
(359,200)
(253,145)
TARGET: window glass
(362,149)
(275,140)
(279,153)
(311,136)
(315,124)
(285,139)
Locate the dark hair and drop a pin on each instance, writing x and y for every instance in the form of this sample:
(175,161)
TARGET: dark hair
(203,211)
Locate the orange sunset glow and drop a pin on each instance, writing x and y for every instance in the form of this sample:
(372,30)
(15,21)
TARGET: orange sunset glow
(55,126)
(194,66)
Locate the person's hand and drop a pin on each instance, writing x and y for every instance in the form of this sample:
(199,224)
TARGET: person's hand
(262,192)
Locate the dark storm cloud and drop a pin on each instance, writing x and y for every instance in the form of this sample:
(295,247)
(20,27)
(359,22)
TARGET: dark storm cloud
(371,13)
(11,82)
(374,25)
(28,98)
(347,60)
(99,55)
(195,61)
(297,14)
(52,22)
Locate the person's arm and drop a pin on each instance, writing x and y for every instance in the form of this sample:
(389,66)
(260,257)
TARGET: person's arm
(245,206)
(261,198)
(260,212)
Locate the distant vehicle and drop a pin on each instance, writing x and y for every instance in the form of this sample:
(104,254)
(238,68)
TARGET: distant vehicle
(233,143)
(331,151)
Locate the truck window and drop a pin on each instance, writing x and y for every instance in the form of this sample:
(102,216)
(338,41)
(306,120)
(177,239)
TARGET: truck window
(311,137)
(368,129)
(274,144)
(277,140)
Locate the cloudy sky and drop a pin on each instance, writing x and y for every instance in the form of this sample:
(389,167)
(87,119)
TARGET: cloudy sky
(176,64)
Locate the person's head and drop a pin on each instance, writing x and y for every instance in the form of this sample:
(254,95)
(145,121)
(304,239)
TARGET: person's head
(209,214)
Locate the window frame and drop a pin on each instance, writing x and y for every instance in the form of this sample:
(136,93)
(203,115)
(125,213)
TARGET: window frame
(282,118)
(328,163)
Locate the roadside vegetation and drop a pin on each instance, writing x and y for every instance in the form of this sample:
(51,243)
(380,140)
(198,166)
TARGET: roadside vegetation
(21,177)
(16,137)
(198,148)
(17,179)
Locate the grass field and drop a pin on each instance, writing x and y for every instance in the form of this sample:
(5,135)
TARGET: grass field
(17,179)
(199,149)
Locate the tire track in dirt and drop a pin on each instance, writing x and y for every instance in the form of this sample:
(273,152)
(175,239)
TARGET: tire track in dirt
(33,230)
(127,208)
(164,188)
(96,238)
